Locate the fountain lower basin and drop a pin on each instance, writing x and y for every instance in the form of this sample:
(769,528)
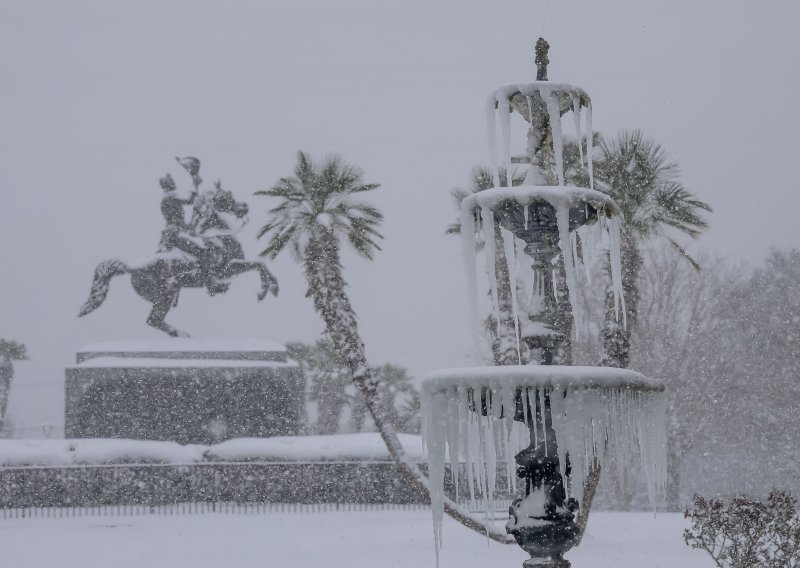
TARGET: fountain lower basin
(546,425)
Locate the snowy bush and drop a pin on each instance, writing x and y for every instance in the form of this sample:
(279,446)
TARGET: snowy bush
(745,533)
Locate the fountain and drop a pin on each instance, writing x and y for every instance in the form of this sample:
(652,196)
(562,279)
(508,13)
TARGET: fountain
(556,422)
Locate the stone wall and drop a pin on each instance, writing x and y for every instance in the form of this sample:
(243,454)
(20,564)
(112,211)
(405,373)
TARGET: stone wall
(174,390)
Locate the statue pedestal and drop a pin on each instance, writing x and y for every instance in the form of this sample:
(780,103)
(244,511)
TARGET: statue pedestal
(185,390)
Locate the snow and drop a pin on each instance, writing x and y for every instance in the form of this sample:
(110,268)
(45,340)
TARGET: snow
(335,539)
(542,376)
(366,446)
(149,362)
(558,139)
(95,451)
(542,89)
(567,196)
(184,344)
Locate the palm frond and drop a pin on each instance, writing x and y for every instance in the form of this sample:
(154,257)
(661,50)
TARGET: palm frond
(315,203)
(685,255)
(635,172)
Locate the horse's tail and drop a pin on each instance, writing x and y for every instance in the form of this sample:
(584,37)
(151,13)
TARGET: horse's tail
(103,274)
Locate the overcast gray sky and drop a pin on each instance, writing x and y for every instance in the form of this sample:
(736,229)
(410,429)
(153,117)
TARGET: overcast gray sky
(97,97)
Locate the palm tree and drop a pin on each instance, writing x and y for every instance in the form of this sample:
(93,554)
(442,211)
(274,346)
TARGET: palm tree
(319,208)
(400,400)
(327,378)
(634,170)
(10,351)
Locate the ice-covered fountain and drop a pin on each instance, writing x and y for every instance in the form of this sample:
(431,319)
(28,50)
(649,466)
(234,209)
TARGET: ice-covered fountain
(556,422)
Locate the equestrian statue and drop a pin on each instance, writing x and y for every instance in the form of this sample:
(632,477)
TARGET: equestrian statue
(201,253)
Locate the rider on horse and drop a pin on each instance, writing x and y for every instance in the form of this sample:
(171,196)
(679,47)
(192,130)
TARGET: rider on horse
(177,234)
(208,241)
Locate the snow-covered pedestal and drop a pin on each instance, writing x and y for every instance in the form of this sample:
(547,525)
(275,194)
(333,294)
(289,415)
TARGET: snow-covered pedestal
(186,390)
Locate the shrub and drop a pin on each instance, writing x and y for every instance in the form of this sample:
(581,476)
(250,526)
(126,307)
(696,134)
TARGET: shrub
(744,533)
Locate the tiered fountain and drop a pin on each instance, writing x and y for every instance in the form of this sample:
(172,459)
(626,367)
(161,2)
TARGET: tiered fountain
(574,416)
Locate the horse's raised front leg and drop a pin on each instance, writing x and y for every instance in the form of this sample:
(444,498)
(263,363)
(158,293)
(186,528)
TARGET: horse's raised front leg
(159,312)
(268,282)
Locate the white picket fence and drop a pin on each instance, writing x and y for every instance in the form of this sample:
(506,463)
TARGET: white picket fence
(180,509)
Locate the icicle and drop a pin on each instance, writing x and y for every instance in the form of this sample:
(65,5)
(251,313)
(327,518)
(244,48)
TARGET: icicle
(530,396)
(509,407)
(511,262)
(504,109)
(453,436)
(491,137)
(576,117)
(557,418)
(530,108)
(584,235)
(589,144)
(531,152)
(469,447)
(573,241)
(616,268)
(468,252)
(435,434)
(542,276)
(525,215)
(526,278)
(562,217)
(487,222)
(573,439)
(555,126)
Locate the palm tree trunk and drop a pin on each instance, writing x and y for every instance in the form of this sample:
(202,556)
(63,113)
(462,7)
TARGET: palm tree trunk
(616,332)
(6,374)
(589,491)
(326,286)
(674,462)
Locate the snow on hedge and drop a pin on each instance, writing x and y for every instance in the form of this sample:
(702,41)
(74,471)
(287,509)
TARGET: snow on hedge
(366,446)
(90,451)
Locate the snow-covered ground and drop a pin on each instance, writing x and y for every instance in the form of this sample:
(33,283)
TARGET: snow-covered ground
(332,539)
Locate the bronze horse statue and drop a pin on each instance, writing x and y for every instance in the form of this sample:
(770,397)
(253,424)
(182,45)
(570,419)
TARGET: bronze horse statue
(160,278)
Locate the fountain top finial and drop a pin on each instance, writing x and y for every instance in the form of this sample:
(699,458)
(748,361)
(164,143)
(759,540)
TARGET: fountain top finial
(541,49)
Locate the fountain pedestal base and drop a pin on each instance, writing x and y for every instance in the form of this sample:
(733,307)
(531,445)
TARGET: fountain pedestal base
(546,563)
